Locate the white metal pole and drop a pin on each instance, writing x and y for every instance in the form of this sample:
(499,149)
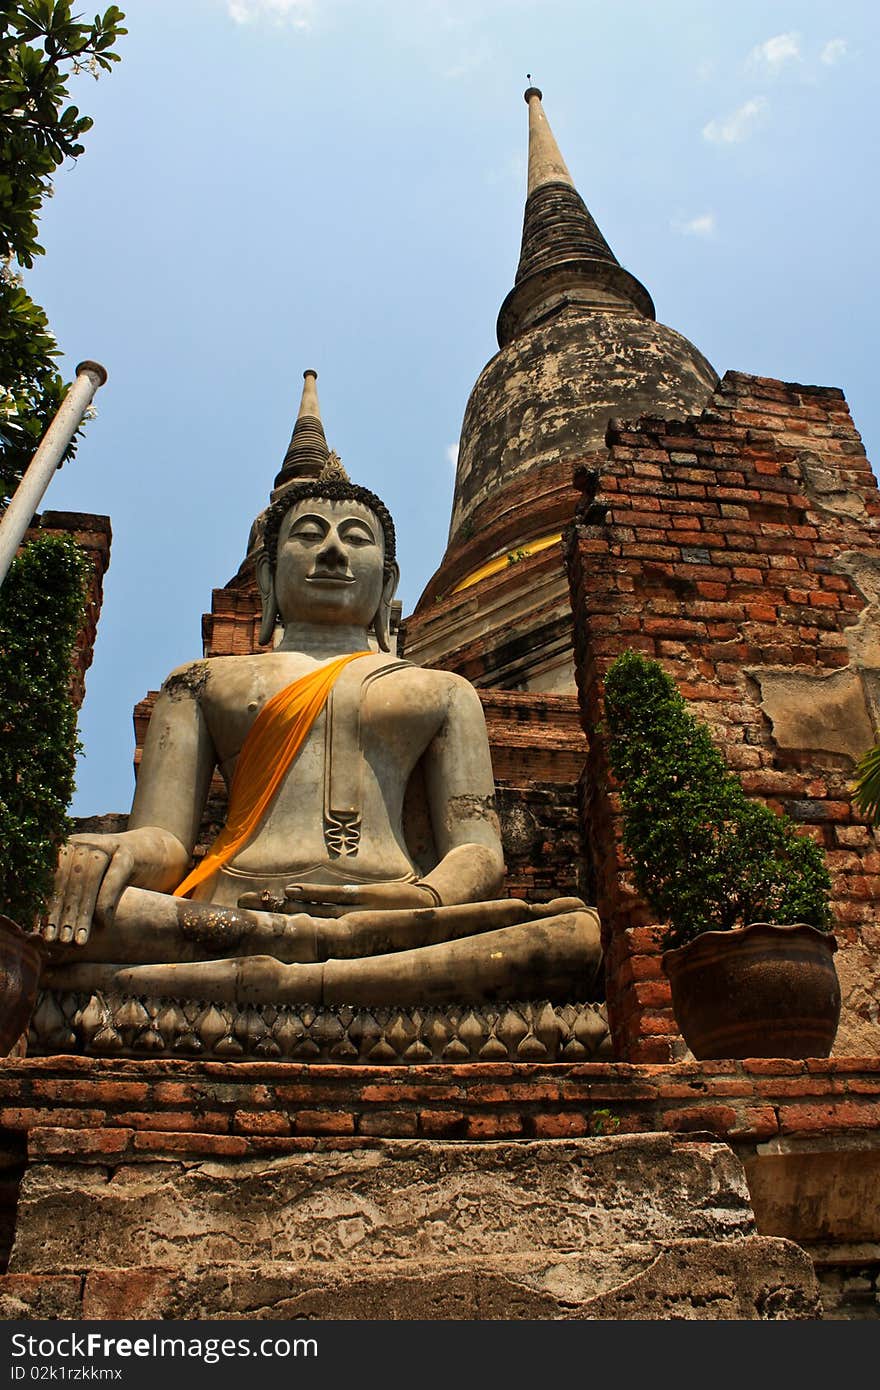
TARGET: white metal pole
(29,493)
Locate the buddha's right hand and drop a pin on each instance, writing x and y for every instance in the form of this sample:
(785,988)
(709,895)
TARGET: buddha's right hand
(92,874)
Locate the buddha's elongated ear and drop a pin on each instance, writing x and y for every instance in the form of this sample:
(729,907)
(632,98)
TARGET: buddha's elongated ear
(382,620)
(266,584)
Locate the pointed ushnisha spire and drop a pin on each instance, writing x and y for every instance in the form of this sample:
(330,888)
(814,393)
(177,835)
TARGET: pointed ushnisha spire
(334,470)
(564,257)
(307,452)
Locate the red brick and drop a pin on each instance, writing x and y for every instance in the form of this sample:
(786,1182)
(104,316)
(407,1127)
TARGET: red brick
(183,1121)
(190,1145)
(861,1086)
(659,1025)
(522,1093)
(401,1091)
(835,1117)
(795,1086)
(88,1092)
(50,1142)
(653,994)
(728,1086)
(493,1126)
(748,576)
(441,1123)
(716,1119)
(560,1126)
(389,1124)
(260,1122)
(773,1066)
(29,1117)
(323,1122)
(639,968)
(644,940)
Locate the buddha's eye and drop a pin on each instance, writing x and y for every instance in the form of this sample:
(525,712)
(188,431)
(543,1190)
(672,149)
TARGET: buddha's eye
(357,534)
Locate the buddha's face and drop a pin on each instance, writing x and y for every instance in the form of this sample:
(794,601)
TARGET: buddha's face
(329,567)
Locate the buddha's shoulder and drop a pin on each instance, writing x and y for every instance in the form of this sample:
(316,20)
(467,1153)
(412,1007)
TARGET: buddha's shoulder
(210,675)
(444,684)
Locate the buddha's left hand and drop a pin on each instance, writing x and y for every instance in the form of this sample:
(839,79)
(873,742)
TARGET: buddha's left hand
(326,900)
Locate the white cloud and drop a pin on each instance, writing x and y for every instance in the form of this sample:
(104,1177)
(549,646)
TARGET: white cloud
(452,454)
(772,55)
(738,126)
(295,12)
(701,225)
(834,50)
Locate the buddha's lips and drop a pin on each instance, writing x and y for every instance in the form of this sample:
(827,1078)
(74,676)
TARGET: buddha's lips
(330,579)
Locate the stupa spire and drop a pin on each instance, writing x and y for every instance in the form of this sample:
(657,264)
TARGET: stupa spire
(307,452)
(546,164)
(564,257)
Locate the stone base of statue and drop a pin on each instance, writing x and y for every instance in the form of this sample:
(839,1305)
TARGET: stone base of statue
(519,989)
(121,1025)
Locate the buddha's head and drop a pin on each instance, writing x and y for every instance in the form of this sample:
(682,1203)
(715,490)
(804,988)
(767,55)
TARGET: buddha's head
(328,557)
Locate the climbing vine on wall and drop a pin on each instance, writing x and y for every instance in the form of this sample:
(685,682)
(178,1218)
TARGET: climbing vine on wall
(41,610)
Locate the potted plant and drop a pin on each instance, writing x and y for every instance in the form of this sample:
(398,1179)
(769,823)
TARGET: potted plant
(744,897)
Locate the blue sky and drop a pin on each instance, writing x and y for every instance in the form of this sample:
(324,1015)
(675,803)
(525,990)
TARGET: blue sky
(279,184)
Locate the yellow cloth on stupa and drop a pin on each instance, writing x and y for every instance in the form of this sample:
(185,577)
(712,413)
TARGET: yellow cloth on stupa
(275,737)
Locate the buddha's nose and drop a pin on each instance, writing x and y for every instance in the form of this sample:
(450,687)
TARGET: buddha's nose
(332,554)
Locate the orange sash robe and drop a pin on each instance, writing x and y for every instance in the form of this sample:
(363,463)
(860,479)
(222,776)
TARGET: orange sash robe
(275,737)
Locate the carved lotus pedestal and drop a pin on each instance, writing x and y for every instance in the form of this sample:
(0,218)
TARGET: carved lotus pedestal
(757,991)
(19,977)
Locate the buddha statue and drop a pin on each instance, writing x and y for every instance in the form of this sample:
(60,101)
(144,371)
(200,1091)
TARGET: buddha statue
(361,861)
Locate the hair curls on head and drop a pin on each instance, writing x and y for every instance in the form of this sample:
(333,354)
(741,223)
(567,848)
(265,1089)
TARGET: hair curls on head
(330,491)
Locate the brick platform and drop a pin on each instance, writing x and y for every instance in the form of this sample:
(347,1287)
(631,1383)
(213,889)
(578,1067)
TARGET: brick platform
(79,1136)
(82,1105)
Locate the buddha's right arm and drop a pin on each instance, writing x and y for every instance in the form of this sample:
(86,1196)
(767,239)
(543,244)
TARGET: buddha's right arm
(154,852)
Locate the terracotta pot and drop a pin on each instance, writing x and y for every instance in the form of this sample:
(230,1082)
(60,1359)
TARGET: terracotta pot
(756,991)
(20,962)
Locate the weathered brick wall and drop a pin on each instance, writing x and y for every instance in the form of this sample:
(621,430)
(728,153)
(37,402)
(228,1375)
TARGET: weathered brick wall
(93,534)
(740,548)
(538,752)
(112,1109)
(233,625)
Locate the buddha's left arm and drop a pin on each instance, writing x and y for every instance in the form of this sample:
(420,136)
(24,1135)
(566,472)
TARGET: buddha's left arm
(461,800)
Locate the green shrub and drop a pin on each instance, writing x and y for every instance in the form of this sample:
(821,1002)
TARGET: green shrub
(705,857)
(41,608)
(866,789)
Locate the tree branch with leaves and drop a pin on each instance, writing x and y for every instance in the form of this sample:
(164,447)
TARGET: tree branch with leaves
(42,44)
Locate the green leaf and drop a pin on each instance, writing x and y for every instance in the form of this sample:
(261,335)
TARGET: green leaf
(866,793)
